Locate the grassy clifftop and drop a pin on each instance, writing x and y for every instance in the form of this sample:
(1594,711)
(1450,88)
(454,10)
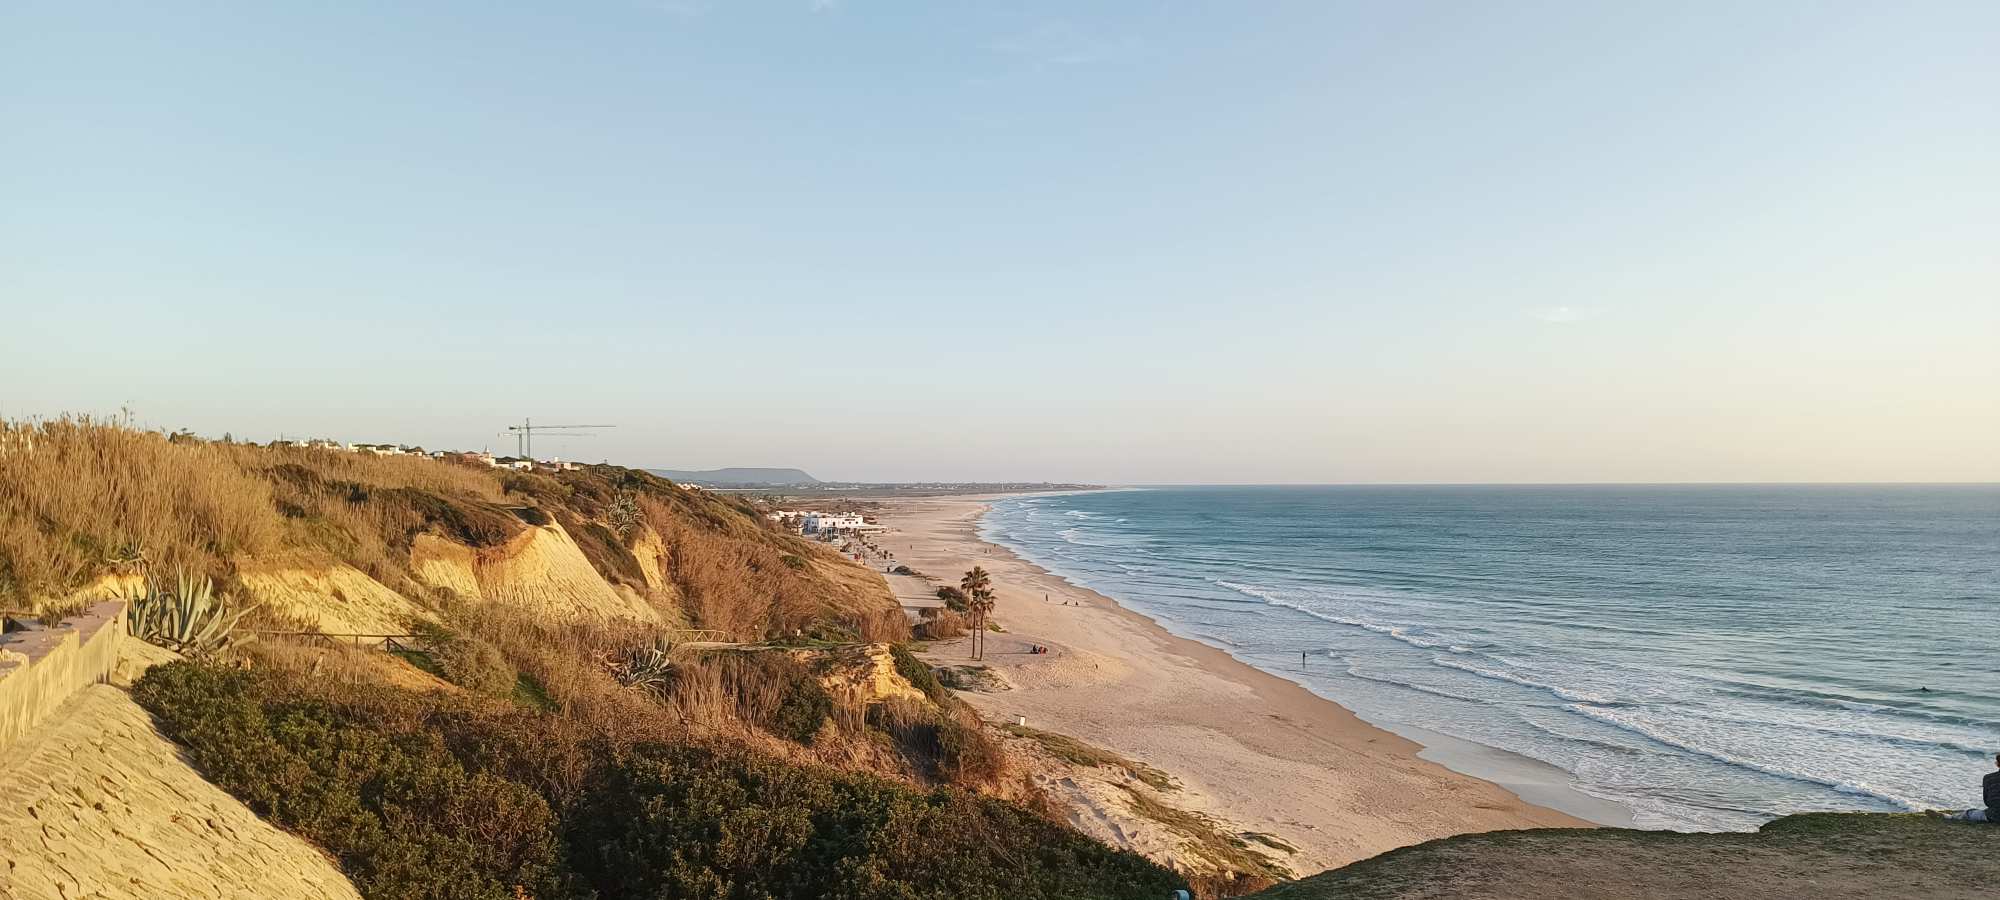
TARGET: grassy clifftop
(1808,857)
(305,531)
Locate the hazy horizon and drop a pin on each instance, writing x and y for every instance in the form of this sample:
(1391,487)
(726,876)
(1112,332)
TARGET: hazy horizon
(1292,243)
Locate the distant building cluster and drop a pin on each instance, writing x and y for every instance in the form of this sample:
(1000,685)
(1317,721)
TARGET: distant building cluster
(814,522)
(519,464)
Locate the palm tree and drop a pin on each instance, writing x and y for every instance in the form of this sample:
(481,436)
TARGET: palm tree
(978,589)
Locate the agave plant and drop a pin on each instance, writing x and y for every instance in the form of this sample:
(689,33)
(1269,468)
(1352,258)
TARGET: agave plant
(191,619)
(647,667)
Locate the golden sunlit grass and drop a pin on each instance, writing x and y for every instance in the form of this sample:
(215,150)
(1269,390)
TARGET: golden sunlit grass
(81,498)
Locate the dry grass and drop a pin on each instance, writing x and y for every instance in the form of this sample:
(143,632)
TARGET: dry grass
(1075,752)
(1244,868)
(736,580)
(941,625)
(79,497)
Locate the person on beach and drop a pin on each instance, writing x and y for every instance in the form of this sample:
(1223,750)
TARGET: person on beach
(1990,794)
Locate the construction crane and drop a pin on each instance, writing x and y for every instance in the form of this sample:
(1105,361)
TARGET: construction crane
(524,434)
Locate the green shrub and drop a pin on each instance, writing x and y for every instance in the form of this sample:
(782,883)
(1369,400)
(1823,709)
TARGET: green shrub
(767,688)
(946,742)
(804,705)
(918,673)
(477,666)
(469,662)
(966,755)
(423,797)
(403,817)
(694,822)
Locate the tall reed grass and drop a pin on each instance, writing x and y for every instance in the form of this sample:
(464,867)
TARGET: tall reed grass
(81,498)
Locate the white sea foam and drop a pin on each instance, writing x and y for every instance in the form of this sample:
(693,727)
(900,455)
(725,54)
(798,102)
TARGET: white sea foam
(1567,693)
(1682,693)
(1636,721)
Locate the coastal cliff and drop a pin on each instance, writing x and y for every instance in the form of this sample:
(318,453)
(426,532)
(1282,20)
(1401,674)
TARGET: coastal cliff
(462,680)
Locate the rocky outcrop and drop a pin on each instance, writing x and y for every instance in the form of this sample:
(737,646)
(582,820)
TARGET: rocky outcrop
(863,674)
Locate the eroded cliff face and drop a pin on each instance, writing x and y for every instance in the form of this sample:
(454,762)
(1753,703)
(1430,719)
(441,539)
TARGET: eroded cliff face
(862,674)
(334,599)
(544,571)
(540,570)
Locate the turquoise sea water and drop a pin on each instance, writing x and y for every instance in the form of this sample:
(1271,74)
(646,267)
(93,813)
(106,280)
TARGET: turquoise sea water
(1709,656)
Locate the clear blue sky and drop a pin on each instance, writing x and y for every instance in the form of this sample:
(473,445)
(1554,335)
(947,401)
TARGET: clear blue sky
(1127,242)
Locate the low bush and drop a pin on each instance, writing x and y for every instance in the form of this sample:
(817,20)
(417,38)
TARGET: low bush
(695,822)
(766,688)
(469,662)
(422,797)
(401,814)
(945,742)
(918,673)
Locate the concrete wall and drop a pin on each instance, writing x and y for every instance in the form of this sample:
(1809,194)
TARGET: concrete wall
(40,670)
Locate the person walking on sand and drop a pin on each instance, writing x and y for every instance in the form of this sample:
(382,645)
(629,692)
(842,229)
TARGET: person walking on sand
(1989,793)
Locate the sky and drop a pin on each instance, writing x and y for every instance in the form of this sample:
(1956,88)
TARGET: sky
(1108,242)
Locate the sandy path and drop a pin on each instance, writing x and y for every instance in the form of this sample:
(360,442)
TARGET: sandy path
(95,803)
(1254,750)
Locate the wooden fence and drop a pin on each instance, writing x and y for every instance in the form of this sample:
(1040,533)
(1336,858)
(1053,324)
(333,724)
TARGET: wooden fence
(397,643)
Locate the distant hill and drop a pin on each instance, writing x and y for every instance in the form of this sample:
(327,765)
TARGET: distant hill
(737,477)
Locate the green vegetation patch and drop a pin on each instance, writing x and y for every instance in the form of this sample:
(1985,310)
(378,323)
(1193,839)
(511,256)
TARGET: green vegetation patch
(403,816)
(1270,840)
(1075,752)
(918,673)
(529,693)
(1206,838)
(469,662)
(421,797)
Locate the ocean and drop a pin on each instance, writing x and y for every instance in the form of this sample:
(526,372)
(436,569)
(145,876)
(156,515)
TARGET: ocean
(1708,656)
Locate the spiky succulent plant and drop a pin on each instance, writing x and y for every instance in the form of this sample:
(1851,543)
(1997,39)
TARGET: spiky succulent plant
(647,667)
(190,618)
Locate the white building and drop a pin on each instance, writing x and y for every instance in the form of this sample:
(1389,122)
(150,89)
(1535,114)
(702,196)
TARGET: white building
(820,523)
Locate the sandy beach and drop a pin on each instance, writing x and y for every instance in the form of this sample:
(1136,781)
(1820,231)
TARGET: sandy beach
(1257,753)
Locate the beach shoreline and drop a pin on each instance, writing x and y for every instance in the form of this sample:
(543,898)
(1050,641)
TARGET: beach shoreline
(1254,750)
